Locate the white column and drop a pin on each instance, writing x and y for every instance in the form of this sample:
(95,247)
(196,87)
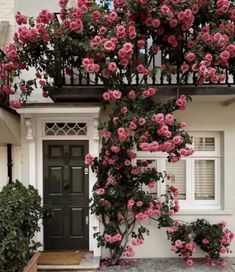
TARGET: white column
(32,151)
(94,222)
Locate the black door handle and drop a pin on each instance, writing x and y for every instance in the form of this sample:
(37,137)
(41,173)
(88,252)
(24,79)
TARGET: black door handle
(66,185)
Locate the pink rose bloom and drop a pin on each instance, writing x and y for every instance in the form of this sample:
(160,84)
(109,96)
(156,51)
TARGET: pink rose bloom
(190,246)
(144,146)
(89,159)
(101,191)
(141,121)
(174,249)
(139,203)
(165,9)
(151,184)
(108,238)
(189,262)
(155,23)
(131,94)
(173,23)
(184,68)
(159,118)
(112,67)
(131,203)
(171,212)
(132,125)
(169,118)
(121,131)
(115,149)
(109,45)
(116,94)
(116,238)
(106,96)
(222,250)
(190,57)
(141,43)
(140,68)
(179,244)
(129,252)
(205,241)
(225,55)
(178,140)
(131,154)
(127,162)
(106,134)
(15,103)
(154,146)
(111,180)
(124,109)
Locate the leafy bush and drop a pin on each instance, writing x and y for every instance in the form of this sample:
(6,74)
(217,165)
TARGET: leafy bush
(213,239)
(20,210)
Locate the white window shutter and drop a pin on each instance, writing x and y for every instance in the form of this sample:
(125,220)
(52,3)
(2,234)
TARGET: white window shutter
(177,171)
(204,176)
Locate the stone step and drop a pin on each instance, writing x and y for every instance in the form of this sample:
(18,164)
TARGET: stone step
(76,270)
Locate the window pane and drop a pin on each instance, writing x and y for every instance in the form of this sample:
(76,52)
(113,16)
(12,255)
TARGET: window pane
(177,172)
(204,179)
(153,188)
(204,143)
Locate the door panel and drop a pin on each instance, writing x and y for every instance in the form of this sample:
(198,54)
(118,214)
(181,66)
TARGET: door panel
(66,188)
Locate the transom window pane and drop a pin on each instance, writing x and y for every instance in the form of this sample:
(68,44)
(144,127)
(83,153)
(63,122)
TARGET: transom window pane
(177,172)
(204,143)
(204,179)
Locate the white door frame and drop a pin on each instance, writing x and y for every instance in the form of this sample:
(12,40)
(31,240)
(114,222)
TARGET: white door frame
(34,119)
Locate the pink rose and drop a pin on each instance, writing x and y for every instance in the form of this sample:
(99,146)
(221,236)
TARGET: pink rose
(116,94)
(205,241)
(190,57)
(112,66)
(101,191)
(189,262)
(89,159)
(106,96)
(139,203)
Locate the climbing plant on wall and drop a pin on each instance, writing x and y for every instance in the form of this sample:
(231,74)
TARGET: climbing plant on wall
(117,47)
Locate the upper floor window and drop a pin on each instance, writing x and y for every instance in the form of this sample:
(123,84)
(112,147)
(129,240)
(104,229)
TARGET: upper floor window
(198,177)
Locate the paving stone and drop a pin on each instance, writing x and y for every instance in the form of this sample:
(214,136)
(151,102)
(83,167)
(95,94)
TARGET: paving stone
(168,265)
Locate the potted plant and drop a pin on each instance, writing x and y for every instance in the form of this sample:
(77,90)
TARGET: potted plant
(20,210)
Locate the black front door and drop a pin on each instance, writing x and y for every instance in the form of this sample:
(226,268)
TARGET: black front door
(66,188)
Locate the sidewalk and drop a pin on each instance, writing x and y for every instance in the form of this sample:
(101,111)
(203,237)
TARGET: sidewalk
(170,265)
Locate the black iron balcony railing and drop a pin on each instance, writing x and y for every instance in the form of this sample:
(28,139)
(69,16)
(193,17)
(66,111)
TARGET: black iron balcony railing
(77,77)
(4,98)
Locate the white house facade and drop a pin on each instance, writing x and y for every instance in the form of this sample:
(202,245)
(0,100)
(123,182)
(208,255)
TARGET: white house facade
(44,144)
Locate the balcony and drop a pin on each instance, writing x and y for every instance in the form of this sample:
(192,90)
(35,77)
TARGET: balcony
(79,86)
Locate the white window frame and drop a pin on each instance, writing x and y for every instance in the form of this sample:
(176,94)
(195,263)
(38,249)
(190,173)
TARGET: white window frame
(190,203)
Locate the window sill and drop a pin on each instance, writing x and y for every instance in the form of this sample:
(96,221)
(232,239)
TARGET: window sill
(204,212)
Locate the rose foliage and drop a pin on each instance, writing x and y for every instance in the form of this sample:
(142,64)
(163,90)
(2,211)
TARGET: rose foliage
(197,36)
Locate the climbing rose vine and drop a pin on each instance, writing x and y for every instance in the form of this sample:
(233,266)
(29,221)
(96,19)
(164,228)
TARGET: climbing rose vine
(117,47)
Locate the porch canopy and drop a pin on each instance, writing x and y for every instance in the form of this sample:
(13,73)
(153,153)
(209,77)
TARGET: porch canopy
(9,127)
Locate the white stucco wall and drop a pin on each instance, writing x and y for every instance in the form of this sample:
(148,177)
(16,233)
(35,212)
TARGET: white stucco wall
(7,13)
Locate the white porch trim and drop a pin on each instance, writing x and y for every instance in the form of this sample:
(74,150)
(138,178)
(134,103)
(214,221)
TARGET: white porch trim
(34,119)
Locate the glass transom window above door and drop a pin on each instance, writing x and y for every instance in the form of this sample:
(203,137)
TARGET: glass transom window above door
(198,177)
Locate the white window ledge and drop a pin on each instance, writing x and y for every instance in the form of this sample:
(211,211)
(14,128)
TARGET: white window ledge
(205,212)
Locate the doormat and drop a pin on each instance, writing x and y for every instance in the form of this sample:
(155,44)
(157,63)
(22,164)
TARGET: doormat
(61,258)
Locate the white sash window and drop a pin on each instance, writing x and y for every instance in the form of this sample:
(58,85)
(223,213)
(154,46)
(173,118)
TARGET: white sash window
(197,177)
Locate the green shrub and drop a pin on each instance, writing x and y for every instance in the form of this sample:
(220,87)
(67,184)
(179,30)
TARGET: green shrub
(20,210)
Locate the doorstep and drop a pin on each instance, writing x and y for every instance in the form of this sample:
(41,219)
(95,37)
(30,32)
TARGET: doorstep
(88,263)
